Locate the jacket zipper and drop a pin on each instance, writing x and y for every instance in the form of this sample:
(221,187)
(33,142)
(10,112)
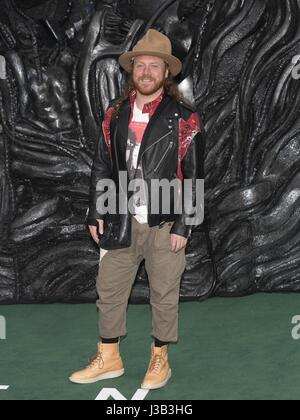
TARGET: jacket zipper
(163,157)
(163,137)
(141,158)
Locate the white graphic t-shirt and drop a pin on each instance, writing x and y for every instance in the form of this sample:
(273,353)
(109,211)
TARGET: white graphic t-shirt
(136,132)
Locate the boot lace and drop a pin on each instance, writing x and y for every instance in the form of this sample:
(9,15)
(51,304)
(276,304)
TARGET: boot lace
(155,364)
(96,361)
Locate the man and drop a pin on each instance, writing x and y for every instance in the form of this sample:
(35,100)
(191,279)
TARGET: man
(151,134)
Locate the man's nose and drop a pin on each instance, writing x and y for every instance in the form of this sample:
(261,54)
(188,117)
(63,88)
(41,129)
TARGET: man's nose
(147,72)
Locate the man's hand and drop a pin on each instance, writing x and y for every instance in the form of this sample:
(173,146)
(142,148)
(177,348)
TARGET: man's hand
(178,242)
(94,230)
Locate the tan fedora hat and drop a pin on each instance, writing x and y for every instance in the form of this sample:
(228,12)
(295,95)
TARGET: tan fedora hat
(156,44)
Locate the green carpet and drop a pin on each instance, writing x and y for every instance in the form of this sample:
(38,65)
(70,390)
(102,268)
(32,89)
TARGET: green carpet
(228,349)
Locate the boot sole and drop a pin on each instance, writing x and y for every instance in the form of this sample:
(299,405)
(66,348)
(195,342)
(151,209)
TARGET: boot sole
(109,375)
(158,386)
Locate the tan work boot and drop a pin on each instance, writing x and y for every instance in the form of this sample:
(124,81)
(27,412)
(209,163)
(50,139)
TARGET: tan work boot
(107,364)
(159,371)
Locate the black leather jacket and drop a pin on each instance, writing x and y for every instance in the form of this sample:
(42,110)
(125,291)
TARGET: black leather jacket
(159,158)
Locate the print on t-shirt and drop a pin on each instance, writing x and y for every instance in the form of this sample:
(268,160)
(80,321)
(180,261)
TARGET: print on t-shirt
(136,132)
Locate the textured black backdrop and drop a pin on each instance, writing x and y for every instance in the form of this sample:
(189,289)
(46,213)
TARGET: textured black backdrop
(58,70)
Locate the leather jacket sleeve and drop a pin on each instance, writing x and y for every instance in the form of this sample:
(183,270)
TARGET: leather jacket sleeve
(192,168)
(101,169)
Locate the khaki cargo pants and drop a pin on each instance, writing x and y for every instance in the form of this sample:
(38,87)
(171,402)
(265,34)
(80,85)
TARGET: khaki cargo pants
(117,273)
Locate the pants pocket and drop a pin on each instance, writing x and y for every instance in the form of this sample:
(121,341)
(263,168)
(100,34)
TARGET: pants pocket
(162,240)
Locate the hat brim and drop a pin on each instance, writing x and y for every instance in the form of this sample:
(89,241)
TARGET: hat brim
(125,60)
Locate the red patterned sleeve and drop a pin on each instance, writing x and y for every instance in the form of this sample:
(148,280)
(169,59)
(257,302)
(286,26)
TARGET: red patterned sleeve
(106,128)
(187,131)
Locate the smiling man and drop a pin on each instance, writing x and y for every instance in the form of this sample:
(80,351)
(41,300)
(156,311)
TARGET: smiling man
(152,134)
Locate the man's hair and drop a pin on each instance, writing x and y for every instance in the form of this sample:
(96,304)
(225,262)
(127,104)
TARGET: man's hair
(170,86)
